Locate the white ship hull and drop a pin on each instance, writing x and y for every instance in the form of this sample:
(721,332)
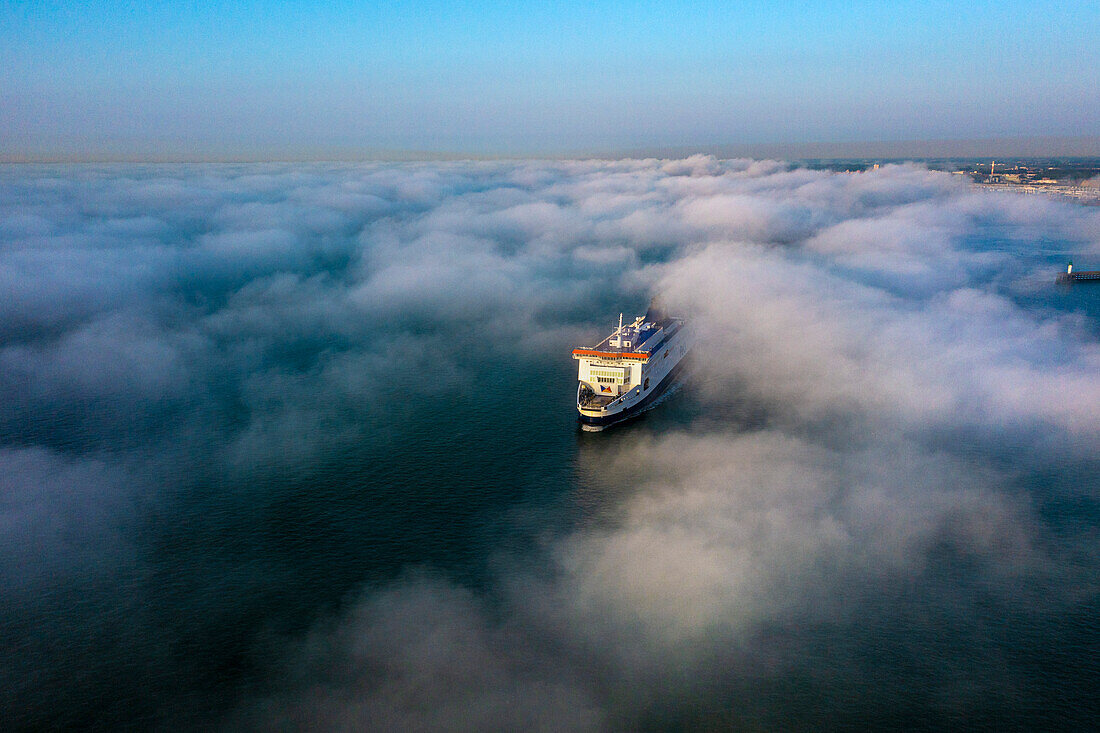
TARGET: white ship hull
(626,373)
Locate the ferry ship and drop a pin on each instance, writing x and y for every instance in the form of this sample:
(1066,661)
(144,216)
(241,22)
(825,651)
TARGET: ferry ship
(626,372)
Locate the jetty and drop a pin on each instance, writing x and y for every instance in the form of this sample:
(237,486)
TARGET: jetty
(1069,276)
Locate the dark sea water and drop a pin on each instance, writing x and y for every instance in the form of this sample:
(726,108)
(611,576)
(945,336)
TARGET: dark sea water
(233,435)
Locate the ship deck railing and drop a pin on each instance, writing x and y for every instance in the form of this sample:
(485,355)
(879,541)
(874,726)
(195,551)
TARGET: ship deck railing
(596,403)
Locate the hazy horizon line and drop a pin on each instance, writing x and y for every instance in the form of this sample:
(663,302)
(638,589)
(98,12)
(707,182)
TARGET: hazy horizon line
(1016,147)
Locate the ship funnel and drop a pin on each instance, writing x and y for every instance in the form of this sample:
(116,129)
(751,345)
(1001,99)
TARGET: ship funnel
(655,313)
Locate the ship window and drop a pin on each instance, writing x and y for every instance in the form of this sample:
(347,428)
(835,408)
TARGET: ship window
(608,376)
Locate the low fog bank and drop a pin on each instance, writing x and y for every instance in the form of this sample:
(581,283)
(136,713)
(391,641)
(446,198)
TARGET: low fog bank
(880,512)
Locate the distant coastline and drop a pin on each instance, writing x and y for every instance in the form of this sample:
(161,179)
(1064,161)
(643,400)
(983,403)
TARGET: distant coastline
(191,151)
(1006,147)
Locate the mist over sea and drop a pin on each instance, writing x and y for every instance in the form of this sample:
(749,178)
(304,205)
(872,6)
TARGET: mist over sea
(292,446)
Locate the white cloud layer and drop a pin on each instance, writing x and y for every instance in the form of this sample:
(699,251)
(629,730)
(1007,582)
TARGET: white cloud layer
(891,392)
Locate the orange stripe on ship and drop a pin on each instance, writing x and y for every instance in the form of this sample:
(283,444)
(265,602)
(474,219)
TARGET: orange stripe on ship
(610,354)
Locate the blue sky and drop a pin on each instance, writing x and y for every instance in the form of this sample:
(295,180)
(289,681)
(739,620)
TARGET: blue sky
(273,78)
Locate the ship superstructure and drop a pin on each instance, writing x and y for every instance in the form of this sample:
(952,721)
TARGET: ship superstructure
(623,374)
